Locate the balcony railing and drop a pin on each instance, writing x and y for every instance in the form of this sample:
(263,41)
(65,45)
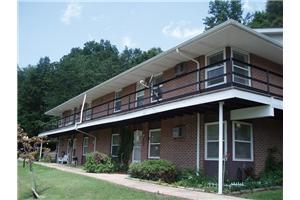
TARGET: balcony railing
(226,73)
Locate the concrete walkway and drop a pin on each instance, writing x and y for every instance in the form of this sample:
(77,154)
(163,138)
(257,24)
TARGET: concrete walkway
(124,180)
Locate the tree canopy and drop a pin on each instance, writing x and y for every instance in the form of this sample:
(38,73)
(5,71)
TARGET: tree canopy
(272,17)
(48,84)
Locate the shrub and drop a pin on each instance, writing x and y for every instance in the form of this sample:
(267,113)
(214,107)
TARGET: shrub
(154,170)
(189,178)
(99,163)
(47,158)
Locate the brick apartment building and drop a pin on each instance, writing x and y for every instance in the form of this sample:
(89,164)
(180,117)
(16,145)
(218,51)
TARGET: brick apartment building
(175,102)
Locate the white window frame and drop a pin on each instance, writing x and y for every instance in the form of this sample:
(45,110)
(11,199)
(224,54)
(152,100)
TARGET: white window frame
(212,68)
(248,67)
(70,118)
(242,141)
(88,116)
(119,100)
(225,139)
(136,161)
(114,145)
(85,146)
(160,86)
(149,143)
(137,93)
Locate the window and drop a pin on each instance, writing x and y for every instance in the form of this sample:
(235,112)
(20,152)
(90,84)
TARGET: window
(178,132)
(118,101)
(69,119)
(214,71)
(212,140)
(61,123)
(85,146)
(179,69)
(156,93)
(88,112)
(115,144)
(154,143)
(242,141)
(139,95)
(241,68)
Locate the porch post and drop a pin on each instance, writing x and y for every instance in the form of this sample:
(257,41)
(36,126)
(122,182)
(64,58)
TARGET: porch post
(198,142)
(220,174)
(41,149)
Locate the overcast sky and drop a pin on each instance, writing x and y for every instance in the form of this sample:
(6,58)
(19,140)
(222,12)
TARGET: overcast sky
(53,28)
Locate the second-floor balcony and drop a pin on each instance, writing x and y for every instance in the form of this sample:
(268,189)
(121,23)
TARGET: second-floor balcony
(220,75)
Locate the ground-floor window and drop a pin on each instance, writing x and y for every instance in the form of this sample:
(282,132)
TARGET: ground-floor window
(154,143)
(115,144)
(85,145)
(212,140)
(242,141)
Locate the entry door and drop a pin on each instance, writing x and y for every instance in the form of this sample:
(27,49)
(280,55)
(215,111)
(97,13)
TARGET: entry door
(137,141)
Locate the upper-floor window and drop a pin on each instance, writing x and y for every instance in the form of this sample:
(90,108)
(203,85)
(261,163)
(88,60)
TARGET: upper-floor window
(241,68)
(180,69)
(69,119)
(156,91)
(215,71)
(88,112)
(139,95)
(117,103)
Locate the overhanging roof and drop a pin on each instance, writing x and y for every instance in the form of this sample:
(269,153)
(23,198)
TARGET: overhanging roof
(229,33)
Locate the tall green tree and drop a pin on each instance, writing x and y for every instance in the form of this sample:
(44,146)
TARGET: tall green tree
(48,84)
(221,11)
(272,17)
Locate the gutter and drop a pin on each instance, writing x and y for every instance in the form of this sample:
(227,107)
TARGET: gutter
(80,121)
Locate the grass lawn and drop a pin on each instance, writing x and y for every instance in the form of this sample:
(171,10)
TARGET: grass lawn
(55,184)
(269,195)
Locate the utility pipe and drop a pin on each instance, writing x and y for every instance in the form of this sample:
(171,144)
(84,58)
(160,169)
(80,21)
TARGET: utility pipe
(194,60)
(80,121)
(198,143)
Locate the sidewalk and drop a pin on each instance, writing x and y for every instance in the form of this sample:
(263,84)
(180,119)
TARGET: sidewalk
(122,179)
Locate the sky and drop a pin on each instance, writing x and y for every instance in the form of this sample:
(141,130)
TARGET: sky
(51,29)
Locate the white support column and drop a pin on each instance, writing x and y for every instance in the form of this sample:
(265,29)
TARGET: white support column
(41,149)
(220,174)
(198,143)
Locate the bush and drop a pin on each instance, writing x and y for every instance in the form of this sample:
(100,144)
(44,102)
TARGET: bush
(189,178)
(47,158)
(154,170)
(99,163)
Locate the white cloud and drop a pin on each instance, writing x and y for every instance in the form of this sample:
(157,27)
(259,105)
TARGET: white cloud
(73,10)
(127,41)
(252,6)
(181,30)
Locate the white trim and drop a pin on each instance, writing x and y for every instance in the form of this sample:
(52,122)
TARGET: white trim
(246,53)
(252,112)
(136,161)
(251,142)
(190,101)
(215,67)
(198,144)
(149,144)
(83,146)
(225,138)
(114,145)
(115,101)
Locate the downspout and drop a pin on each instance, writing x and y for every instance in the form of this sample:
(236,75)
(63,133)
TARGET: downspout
(198,144)
(194,60)
(80,121)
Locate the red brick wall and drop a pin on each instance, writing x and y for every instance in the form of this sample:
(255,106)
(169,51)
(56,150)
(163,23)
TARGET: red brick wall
(267,133)
(181,151)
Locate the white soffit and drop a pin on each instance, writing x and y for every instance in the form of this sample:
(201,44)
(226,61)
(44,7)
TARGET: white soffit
(229,33)
(251,113)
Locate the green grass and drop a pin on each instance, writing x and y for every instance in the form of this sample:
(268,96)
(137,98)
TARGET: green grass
(55,184)
(269,195)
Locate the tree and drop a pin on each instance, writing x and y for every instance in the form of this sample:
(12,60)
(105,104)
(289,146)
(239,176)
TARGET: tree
(48,84)
(27,150)
(272,17)
(221,11)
